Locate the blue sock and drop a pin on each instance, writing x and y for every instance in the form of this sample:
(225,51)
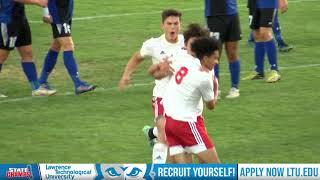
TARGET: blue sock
(234,68)
(216,70)
(259,52)
(72,67)
(48,65)
(277,30)
(272,54)
(30,71)
(251,38)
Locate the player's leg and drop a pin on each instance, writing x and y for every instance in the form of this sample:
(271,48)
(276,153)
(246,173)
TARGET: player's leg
(234,68)
(49,63)
(282,46)
(232,37)
(151,133)
(23,45)
(62,33)
(30,70)
(4,53)
(160,149)
(266,37)
(259,50)
(208,156)
(8,38)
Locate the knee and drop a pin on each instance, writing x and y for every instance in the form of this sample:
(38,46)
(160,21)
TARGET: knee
(26,55)
(55,46)
(232,55)
(67,44)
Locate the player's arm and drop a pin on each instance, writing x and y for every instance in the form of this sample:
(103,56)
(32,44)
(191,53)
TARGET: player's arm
(131,66)
(283,5)
(41,3)
(46,17)
(161,70)
(206,88)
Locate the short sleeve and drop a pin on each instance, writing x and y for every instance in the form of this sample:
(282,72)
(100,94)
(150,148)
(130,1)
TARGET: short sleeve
(146,49)
(206,89)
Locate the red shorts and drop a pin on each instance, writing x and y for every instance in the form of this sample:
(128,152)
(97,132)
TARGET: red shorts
(188,137)
(157,107)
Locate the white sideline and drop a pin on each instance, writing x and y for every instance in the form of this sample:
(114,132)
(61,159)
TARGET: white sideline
(153,12)
(101,89)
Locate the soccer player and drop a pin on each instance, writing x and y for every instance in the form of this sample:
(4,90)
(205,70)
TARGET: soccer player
(163,47)
(223,21)
(191,83)
(262,21)
(282,45)
(59,14)
(15,32)
(163,69)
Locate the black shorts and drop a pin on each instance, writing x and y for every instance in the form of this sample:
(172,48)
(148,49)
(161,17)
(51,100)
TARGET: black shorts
(15,34)
(61,30)
(225,28)
(261,17)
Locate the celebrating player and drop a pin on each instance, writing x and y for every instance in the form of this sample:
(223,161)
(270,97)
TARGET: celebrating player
(159,49)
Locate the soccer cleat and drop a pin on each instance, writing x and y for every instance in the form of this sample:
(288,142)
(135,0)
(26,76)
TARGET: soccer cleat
(273,76)
(84,88)
(254,76)
(233,93)
(46,86)
(43,92)
(284,47)
(145,131)
(3,96)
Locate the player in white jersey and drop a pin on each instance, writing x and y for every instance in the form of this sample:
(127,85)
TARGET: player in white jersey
(158,49)
(191,82)
(163,69)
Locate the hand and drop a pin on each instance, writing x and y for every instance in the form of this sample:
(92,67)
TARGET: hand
(124,81)
(47,19)
(283,6)
(165,67)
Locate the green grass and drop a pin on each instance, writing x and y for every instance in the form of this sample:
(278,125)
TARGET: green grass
(269,123)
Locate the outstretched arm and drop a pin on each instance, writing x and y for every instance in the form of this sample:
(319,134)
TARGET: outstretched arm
(132,64)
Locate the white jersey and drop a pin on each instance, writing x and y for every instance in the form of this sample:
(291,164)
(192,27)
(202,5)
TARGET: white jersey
(158,49)
(186,89)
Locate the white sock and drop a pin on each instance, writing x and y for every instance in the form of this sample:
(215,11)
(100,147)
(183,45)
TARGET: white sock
(159,154)
(155,131)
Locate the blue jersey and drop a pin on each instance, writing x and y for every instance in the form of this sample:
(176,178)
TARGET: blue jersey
(220,7)
(60,10)
(267,3)
(11,10)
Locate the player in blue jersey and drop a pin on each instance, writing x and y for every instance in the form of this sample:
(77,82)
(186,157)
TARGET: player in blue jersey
(59,14)
(261,23)
(15,32)
(223,21)
(282,45)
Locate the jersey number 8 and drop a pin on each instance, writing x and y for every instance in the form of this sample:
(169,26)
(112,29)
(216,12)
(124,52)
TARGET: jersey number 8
(183,71)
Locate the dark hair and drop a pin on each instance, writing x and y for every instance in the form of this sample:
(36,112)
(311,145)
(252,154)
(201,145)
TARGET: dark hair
(195,30)
(170,12)
(204,46)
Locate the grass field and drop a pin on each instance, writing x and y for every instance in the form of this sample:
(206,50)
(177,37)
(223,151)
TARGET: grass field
(269,123)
